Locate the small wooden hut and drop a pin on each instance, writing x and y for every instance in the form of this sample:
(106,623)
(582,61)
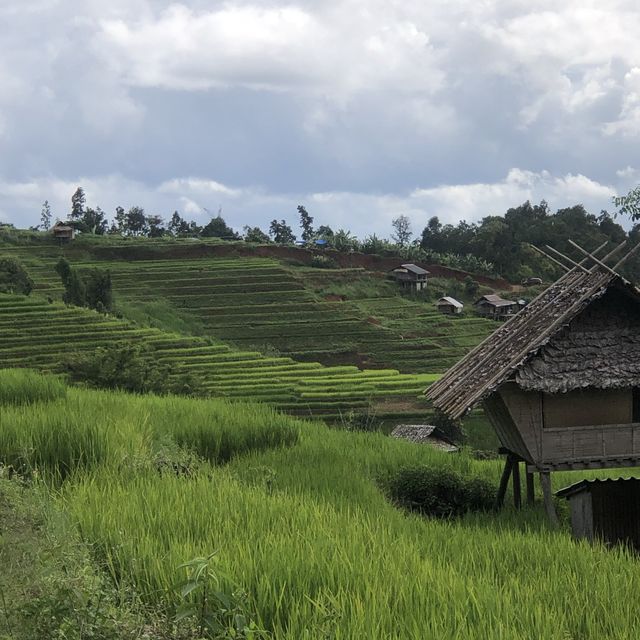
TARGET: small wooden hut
(606,510)
(560,380)
(63,231)
(449,305)
(410,276)
(496,307)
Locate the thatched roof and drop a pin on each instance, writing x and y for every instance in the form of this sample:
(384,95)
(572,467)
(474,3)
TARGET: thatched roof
(600,350)
(424,434)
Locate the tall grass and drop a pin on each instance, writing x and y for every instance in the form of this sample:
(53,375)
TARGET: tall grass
(22,386)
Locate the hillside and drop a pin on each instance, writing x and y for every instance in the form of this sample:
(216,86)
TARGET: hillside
(305,544)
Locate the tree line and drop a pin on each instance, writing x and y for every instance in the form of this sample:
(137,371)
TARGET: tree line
(496,245)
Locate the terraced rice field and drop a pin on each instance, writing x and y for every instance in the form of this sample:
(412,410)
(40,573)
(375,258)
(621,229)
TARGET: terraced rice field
(261,304)
(38,334)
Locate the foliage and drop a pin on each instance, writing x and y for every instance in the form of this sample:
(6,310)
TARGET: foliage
(281,232)
(92,290)
(402,228)
(128,366)
(438,492)
(78,201)
(306,224)
(343,240)
(45,215)
(255,234)
(629,204)
(471,286)
(14,278)
(218,228)
(215,613)
(323,262)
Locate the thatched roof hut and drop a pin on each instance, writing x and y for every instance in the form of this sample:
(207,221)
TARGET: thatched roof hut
(559,380)
(424,434)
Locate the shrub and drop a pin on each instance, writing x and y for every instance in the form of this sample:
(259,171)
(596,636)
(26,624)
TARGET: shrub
(14,278)
(438,492)
(323,262)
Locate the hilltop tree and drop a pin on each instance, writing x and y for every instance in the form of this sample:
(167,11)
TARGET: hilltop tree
(136,222)
(306,223)
(120,220)
(281,232)
(156,226)
(93,221)
(255,234)
(177,225)
(402,227)
(78,201)
(218,228)
(45,215)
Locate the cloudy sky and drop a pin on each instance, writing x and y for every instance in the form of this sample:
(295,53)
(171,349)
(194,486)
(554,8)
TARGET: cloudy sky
(359,109)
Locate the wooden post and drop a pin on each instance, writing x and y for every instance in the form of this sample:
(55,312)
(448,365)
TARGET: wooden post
(517,487)
(531,493)
(504,482)
(545,483)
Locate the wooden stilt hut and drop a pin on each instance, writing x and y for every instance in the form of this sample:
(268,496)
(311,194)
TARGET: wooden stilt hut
(560,380)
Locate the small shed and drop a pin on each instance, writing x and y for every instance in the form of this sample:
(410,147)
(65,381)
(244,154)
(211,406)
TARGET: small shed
(494,306)
(63,231)
(449,305)
(410,276)
(606,510)
(424,434)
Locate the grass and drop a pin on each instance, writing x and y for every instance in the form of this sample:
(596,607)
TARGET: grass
(22,386)
(300,524)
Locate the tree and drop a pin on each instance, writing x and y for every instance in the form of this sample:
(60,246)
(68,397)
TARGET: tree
(14,278)
(120,220)
(256,235)
(218,228)
(45,216)
(156,226)
(629,205)
(93,221)
(98,293)
(74,287)
(306,223)
(281,232)
(78,200)
(325,232)
(177,226)
(136,222)
(403,233)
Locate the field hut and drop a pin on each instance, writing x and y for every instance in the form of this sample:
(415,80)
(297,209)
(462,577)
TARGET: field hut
(63,231)
(424,434)
(605,510)
(449,305)
(493,306)
(560,380)
(410,276)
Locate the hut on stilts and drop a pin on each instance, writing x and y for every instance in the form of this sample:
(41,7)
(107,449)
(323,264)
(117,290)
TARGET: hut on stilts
(560,380)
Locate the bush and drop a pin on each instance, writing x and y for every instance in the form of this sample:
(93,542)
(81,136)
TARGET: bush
(438,492)
(323,262)
(14,278)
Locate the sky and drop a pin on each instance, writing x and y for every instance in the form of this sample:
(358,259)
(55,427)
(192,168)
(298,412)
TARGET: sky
(360,110)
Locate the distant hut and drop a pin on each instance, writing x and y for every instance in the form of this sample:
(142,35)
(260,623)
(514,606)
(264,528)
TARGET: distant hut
(493,306)
(560,380)
(424,434)
(63,231)
(449,305)
(605,510)
(410,276)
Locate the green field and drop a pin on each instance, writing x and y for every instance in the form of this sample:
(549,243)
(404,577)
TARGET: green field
(294,512)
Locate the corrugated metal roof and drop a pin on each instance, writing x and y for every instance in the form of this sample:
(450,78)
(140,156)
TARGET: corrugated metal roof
(419,271)
(452,301)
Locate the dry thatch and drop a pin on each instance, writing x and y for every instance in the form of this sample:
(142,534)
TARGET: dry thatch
(572,355)
(424,434)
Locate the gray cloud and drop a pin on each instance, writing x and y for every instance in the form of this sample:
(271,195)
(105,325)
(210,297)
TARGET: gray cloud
(376,107)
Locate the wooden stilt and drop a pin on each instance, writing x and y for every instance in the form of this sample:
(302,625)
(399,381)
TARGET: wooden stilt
(545,483)
(531,492)
(517,487)
(504,482)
